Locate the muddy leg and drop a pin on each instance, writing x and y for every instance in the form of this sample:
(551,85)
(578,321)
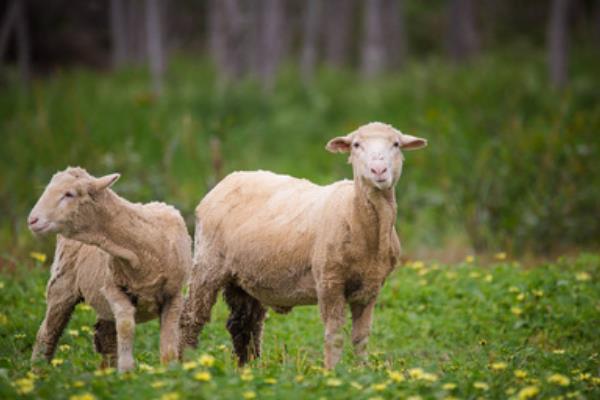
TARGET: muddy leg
(169,329)
(362,315)
(105,342)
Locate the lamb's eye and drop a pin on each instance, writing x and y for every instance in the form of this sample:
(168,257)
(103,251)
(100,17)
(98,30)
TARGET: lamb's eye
(396,144)
(69,194)
(356,145)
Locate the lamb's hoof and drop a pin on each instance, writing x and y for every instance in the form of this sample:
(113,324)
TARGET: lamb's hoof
(126,365)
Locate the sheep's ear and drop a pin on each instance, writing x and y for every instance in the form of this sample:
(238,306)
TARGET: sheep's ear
(408,142)
(104,182)
(340,144)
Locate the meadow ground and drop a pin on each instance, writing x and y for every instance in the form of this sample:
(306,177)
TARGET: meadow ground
(463,330)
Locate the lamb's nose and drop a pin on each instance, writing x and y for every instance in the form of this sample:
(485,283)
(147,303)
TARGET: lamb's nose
(378,171)
(33,220)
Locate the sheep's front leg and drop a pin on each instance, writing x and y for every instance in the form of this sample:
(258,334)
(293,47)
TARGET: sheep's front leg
(169,329)
(362,315)
(331,304)
(61,299)
(124,313)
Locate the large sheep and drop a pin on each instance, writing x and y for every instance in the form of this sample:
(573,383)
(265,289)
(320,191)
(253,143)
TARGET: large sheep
(276,241)
(128,261)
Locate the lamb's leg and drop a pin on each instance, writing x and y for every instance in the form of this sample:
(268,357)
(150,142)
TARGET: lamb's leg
(331,304)
(105,342)
(124,313)
(204,289)
(61,299)
(362,315)
(245,323)
(169,329)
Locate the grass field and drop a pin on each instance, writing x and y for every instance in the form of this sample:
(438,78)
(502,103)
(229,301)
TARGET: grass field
(440,331)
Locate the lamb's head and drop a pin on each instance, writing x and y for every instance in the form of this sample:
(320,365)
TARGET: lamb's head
(376,152)
(67,204)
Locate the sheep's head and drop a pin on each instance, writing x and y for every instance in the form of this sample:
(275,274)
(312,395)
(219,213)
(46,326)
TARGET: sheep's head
(66,206)
(376,152)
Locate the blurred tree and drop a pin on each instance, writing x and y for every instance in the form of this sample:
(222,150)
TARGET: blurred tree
(15,20)
(311,31)
(558,42)
(463,37)
(271,44)
(338,31)
(373,48)
(226,30)
(118,29)
(156,53)
(395,32)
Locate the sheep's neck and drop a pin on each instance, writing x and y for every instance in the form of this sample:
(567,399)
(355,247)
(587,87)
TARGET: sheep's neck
(376,214)
(118,228)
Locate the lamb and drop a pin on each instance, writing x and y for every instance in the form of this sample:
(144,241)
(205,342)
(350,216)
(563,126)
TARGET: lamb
(127,261)
(275,241)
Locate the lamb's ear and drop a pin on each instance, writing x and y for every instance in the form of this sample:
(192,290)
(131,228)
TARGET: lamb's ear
(408,142)
(104,182)
(340,144)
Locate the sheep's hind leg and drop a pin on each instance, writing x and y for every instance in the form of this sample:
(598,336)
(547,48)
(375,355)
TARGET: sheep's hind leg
(124,313)
(61,301)
(245,323)
(105,342)
(169,329)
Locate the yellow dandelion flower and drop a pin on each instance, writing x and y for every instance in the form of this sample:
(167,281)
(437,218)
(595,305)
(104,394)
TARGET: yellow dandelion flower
(270,381)
(516,310)
(451,275)
(521,297)
(334,382)
(189,365)
(73,332)
(528,392)
(78,384)
(469,259)
(104,372)
(500,256)
(449,386)
(520,374)
(356,385)
(474,274)
(24,385)
(513,289)
(249,395)
(416,373)
(170,396)
(414,397)
(206,360)
(510,391)
(574,394)
(538,293)
(417,265)
(158,384)
(559,379)
(64,347)
(57,361)
(428,377)
(558,351)
(203,376)
(19,336)
(85,307)
(488,278)
(584,376)
(86,329)
(379,387)
(583,276)
(41,257)
(596,380)
(158,371)
(481,385)
(499,366)
(83,396)
(396,376)
(222,347)
(3,319)
(1,285)
(299,378)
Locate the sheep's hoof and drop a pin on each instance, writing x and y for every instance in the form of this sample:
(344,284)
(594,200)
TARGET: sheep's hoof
(126,365)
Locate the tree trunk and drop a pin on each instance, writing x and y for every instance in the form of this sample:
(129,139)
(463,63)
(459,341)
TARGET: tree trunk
(136,32)
(23,45)
(557,42)
(338,32)
(271,40)
(373,60)
(463,38)
(154,37)
(310,40)
(395,37)
(8,25)
(118,33)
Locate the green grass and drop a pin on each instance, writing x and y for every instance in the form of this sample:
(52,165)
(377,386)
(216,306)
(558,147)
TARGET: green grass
(467,324)
(511,165)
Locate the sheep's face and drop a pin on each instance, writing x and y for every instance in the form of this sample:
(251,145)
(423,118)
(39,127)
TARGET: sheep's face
(66,205)
(376,152)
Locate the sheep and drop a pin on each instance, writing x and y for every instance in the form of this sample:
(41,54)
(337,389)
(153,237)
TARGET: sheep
(128,261)
(274,241)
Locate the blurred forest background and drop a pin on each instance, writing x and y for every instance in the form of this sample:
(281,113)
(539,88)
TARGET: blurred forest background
(176,94)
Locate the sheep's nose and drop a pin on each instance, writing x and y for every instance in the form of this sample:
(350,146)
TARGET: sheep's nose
(378,171)
(32,220)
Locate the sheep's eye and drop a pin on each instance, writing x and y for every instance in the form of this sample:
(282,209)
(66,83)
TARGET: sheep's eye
(396,144)
(69,194)
(356,145)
